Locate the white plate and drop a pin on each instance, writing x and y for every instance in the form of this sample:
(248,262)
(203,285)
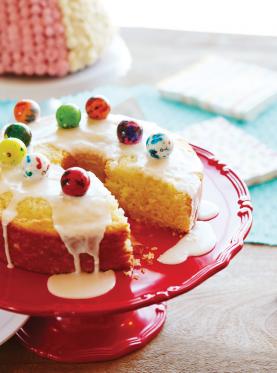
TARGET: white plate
(115,63)
(9,324)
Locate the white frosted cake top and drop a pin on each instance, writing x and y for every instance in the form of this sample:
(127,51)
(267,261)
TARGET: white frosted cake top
(181,168)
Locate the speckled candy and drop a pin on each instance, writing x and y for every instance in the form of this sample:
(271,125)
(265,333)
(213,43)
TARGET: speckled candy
(75,182)
(129,132)
(159,146)
(19,131)
(26,111)
(12,151)
(35,166)
(97,108)
(68,116)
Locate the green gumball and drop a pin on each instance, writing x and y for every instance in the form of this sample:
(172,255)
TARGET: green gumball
(68,116)
(19,131)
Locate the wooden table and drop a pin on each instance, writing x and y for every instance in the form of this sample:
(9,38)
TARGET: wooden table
(229,323)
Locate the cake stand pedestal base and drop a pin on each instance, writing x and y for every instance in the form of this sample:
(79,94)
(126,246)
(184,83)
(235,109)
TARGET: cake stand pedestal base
(92,338)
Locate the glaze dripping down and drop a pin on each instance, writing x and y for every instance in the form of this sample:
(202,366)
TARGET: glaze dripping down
(93,210)
(200,240)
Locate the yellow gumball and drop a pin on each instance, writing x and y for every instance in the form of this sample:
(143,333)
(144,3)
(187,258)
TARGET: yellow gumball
(12,151)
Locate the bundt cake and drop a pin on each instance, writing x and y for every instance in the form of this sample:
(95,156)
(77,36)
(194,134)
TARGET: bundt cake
(155,176)
(53,37)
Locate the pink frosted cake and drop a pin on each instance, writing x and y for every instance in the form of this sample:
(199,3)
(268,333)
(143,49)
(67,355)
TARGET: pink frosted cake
(51,37)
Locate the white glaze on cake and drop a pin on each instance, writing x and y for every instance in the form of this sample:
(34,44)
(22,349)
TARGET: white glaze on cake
(207,210)
(181,169)
(82,221)
(200,240)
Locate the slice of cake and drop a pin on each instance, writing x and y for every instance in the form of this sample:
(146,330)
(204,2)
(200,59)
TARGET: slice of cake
(46,231)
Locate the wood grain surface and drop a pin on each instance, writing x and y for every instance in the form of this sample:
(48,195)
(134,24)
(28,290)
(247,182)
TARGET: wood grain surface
(229,323)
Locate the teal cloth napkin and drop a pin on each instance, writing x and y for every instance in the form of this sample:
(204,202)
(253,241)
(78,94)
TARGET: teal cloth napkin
(176,116)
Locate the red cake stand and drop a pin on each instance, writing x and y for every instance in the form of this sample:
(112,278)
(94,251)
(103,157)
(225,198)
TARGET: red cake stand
(131,314)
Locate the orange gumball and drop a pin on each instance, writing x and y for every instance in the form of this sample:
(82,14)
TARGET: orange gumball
(97,108)
(26,111)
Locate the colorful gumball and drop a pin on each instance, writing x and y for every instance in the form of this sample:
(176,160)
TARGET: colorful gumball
(19,131)
(35,166)
(129,132)
(68,116)
(97,108)
(75,182)
(159,145)
(12,151)
(26,111)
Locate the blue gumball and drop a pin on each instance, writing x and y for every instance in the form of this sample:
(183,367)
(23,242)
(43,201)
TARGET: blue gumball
(159,146)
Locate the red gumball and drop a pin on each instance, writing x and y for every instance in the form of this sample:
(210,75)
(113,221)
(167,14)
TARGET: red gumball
(26,111)
(97,108)
(75,182)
